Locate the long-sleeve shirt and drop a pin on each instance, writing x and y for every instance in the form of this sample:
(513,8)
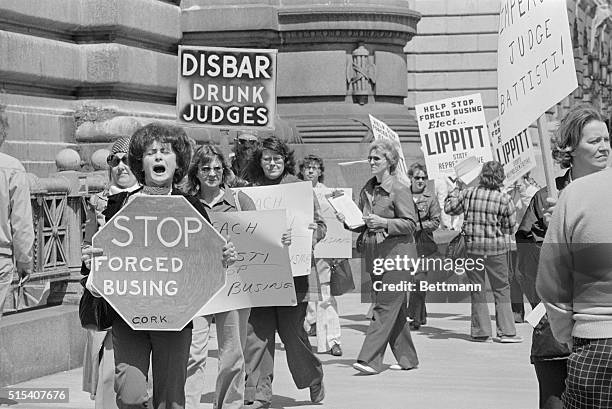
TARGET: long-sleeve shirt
(575,270)
(489,216)
(16,226)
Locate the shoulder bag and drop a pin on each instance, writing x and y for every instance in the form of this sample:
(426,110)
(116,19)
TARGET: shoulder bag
(425,243)
(341,279)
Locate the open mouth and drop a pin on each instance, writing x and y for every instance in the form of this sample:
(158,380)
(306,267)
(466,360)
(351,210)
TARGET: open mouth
(159,169)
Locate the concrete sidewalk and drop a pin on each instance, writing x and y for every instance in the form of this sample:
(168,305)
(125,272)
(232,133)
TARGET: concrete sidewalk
(454,372)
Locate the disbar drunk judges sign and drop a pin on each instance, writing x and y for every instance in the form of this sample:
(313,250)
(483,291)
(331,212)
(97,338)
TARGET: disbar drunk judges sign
(535,61)
(228,88)
(162,262)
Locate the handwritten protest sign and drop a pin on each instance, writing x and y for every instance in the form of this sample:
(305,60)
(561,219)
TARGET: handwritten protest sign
(229,88)
(515,152)
(535,61)
(451,130)
(158,267)
(297,199)
(381,130)
(338,241)
(261,276)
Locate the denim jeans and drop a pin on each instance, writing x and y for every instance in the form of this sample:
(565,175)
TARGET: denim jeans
(231,340)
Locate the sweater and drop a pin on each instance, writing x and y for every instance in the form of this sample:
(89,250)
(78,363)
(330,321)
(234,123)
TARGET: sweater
(575,269)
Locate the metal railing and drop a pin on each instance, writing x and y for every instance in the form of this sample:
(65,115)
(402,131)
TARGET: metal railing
(60,213)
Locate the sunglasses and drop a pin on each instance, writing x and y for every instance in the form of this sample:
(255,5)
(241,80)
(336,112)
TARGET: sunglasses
(249,142)
(419,177)
(114,160)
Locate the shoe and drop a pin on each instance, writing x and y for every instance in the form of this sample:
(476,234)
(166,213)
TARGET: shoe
(258,404)
(506,339)
(336,350)
(398,367)
(363,368)
(317,393)
(481,339)
(518,318)
(312,332)
(414,326)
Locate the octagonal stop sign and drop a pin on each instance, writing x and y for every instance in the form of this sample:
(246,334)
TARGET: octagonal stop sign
(162,262)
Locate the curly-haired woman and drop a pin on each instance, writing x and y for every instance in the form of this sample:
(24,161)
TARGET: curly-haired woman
(581,145)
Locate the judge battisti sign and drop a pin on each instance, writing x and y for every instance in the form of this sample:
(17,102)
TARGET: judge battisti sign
(535,61)
(230,88)
(162,262)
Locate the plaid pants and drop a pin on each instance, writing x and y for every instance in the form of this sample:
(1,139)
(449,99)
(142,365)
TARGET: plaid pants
(589,375)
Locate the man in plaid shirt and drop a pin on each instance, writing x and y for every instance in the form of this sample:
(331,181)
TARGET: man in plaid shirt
(489,219)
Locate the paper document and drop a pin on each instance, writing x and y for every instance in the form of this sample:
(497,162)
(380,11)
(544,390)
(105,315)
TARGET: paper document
(345,205)
(535,316)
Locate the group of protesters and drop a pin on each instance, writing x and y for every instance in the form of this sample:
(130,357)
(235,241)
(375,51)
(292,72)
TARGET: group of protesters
(491,216)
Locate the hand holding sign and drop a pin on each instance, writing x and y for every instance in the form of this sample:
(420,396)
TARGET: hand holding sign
(286,238)
(229,253)
(88,253)
(551,202)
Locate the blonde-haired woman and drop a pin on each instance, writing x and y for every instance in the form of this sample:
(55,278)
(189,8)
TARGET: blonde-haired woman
(390,223)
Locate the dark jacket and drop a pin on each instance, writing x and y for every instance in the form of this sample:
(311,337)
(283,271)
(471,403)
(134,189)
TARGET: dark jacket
(529,238)
(428,210)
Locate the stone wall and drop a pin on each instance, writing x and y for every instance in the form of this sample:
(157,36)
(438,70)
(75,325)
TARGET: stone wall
(66,62)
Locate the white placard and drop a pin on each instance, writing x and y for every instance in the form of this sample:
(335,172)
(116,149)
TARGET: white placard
(451,130)
(514,152)
(381,130)
(345,205)
(338,241)
(297,199)
(535,61)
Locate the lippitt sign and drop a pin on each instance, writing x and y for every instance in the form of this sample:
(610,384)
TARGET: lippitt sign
(162,262)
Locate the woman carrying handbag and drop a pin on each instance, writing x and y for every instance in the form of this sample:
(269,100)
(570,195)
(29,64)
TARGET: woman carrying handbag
(428,214)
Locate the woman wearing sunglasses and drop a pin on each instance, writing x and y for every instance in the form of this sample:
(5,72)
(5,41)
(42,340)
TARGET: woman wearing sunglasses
(390,223)
(99,362)
(428,218)
(208,178)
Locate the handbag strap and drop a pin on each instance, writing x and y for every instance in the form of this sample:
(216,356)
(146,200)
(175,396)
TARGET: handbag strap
(416,209)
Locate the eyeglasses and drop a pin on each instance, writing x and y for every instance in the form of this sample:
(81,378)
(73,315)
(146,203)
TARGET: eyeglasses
(114,160)
(419,177)
(206,169)
(275,159)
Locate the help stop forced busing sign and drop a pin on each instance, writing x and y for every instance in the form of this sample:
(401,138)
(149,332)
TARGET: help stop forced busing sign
(161,262)
(229,88)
